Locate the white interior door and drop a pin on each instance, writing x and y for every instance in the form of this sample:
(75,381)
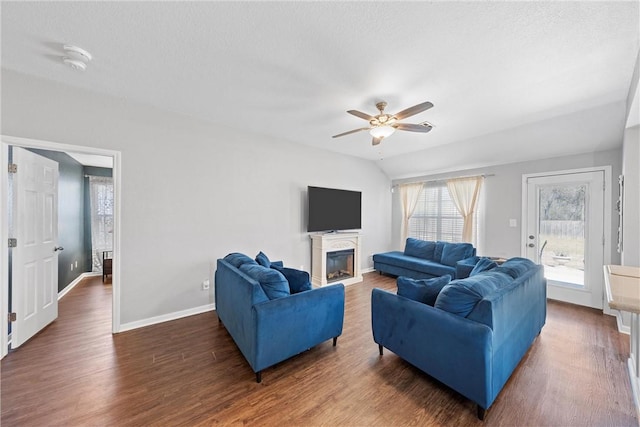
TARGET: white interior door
(565,233)
(34,223)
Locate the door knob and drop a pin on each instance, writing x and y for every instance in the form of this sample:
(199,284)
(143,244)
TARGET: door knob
(58,248)
(531,245)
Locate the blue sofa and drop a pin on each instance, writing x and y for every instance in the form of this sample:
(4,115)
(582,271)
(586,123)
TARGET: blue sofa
(425,259)
(268,320)
(476,332)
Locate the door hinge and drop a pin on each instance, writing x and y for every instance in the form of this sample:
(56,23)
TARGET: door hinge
(12,317)
(13,242)
(13,168)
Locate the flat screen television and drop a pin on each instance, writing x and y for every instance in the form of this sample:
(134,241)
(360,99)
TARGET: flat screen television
(331,209)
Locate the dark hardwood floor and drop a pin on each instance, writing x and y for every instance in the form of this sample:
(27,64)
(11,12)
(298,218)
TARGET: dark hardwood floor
(189,372)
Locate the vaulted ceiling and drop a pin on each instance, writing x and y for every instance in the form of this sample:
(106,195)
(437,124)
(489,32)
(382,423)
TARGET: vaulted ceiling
(291,69)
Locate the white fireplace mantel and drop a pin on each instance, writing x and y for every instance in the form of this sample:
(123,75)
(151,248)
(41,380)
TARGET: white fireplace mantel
(323,243)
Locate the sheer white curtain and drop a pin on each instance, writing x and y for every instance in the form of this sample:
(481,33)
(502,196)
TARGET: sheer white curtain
(464,193)
(409,195)
(101,195)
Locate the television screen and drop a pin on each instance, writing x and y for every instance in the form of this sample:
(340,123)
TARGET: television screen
(331,209)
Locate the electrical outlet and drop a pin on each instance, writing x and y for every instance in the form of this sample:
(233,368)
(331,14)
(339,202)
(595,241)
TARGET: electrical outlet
(71,266)
(76,264)
(205,285)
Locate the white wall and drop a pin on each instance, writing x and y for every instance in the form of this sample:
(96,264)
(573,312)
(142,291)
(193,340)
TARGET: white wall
(631,203)
(537,140)
(502,198)
(193,192)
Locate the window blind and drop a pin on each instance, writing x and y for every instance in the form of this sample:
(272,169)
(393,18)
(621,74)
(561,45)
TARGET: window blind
(436,216)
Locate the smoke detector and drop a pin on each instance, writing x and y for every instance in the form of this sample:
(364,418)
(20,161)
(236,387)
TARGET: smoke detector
(75,64)
(76,57)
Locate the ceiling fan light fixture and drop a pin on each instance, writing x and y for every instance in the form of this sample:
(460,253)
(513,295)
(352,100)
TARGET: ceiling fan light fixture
(382,131)
(383,125)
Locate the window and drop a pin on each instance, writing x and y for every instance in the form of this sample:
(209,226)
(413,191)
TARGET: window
(436,216)
(101,196)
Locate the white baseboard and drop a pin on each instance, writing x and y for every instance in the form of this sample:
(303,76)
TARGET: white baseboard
(368,270)
(166,317)
(635,385)
(73,284)
(622,328)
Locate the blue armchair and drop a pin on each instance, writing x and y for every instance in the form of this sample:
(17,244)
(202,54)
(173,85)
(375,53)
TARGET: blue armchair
(268,331)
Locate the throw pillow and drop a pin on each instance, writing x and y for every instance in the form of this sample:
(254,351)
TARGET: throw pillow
(420,248)
(516,267)
(485,264)
(263,259)
(422,290)
(454,252)
(237,259)
(273,283)
(461,296)
(298,279)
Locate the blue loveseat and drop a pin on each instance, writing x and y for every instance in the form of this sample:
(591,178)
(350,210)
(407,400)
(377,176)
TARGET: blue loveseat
(268,320)
(476,332)
(425,259)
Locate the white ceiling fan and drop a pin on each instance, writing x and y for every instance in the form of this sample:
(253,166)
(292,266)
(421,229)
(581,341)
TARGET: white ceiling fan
(383,125)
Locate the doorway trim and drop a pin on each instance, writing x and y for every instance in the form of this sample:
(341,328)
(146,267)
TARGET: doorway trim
(606,170)
(6,141)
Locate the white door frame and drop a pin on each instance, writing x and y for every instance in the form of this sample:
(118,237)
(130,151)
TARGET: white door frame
(608,208)
(6,141)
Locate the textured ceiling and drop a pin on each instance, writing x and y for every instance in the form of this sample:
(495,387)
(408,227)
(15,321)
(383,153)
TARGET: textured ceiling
(292,69)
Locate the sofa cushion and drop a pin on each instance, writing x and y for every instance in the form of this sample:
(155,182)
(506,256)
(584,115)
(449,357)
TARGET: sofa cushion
(237,259)
(420,248)
(273,283)
(422,290)
(263,259)
(516,267)
(465,266)
(298,279)
(461,296)
(484,264)
(454,252)
(437,253)
(399,259)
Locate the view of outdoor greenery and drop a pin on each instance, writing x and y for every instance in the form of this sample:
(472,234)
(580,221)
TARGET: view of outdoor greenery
(562,225)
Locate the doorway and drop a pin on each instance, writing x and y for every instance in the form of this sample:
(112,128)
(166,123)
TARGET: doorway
(7,141)
(564,219)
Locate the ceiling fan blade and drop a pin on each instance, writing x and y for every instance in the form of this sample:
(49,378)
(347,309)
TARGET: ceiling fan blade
(349,132)
(360,114)
(376,141)
(413,128)
(411,111)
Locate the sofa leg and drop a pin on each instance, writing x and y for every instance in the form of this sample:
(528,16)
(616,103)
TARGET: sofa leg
(259,377)
(481,413)
(380,349)
(335,341)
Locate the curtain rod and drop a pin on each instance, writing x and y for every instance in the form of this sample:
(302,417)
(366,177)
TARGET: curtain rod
(483,175)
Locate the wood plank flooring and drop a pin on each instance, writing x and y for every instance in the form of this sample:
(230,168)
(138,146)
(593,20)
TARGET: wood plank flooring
(189,372)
